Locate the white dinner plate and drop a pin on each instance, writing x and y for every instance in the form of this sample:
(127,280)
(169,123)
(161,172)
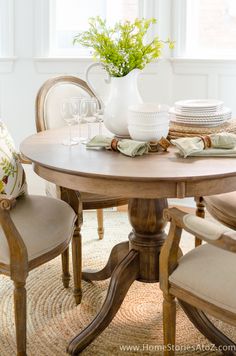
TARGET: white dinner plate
(224,111)
(218,119)
(199,103)
(202,119)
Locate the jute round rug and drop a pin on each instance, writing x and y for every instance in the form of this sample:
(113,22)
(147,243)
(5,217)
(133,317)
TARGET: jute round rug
(53,318)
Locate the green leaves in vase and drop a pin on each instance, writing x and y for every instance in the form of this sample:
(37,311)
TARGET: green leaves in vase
(124,46)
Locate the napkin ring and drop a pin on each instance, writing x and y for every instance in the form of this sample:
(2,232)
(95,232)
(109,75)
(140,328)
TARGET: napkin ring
(114,144)
(164,143)
(154,146)
(206,141)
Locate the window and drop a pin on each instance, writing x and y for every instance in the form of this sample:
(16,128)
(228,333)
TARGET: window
(209,30)
(6,28)
(68,17)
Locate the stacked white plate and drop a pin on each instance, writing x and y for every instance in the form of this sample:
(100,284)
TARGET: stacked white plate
(200,112)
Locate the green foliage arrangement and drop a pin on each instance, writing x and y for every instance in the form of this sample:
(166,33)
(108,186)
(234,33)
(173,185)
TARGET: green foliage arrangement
(121,48)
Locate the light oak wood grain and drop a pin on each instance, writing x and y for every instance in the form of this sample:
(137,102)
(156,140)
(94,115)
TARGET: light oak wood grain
(111,173)
(147,181)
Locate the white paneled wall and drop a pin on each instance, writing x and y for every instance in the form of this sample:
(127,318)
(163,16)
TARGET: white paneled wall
(164,82)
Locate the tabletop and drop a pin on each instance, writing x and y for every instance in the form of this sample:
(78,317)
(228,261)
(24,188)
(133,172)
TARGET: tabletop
(150,179)
(162,174)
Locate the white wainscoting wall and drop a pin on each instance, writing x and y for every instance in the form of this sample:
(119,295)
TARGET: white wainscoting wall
(166,81)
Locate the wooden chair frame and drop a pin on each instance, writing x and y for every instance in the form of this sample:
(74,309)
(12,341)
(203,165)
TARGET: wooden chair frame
(19,266)
(70,195)
(168,263)
(43,92)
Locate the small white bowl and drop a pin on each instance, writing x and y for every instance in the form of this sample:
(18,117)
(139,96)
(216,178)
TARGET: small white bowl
(153,127)
(148,113)
(149,108)
(139,134)
(157,120)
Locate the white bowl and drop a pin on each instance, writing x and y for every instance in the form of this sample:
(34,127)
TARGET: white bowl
(159,119)
(152,127)
(149,117)
(149,108)
(139,134)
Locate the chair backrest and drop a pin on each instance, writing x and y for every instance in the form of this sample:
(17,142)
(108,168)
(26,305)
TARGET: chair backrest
(50,97)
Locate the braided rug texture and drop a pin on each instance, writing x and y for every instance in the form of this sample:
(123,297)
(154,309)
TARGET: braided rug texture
(54,319)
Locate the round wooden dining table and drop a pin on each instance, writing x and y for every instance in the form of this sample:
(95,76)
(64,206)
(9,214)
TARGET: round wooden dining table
(147,181)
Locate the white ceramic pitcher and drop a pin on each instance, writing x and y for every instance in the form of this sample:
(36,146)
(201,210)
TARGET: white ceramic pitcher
(123,93)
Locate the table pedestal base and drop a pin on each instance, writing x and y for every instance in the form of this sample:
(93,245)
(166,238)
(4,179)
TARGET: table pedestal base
(137,259)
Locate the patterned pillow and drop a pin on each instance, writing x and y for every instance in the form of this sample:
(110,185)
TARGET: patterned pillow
(12,175)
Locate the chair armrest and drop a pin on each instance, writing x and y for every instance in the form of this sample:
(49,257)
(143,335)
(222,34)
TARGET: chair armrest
(17,248)
(7,202)
(208,231)
(23,159)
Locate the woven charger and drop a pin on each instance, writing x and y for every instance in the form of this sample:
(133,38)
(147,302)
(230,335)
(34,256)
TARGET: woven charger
(177,130)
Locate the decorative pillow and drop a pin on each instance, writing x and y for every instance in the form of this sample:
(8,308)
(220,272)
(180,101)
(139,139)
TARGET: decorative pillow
(12,175)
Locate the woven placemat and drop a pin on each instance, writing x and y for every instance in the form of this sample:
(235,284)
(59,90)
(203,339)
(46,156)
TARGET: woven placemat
(181,130)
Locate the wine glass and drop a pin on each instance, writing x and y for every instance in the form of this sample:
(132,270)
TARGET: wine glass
(89,112)
(100,121)
(69,120)
(75,103)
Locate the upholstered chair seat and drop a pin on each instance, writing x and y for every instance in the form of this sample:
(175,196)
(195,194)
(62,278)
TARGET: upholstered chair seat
(33,230)
(209,273)
(223,208)
(203,279)
(37,218)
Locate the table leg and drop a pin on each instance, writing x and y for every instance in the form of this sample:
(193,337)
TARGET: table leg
(122,278)
(117,254)
(140,263)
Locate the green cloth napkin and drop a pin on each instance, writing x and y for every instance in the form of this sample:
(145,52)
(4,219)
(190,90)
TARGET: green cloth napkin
(127,147)
(222,144)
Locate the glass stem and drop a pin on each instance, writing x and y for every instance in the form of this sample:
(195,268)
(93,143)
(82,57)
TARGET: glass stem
(100,128)
(79,127)
(70,138)
(89,130)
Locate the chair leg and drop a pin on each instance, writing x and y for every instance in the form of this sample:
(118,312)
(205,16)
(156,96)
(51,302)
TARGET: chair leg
(77,263)
(73,198)
(65,268)
(100,223)
(20,317)
(169,322)
(200,211)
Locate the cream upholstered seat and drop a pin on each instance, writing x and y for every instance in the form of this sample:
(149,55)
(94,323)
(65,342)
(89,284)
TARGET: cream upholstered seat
(37,218)
(203,278)
(33,230)
(209,273)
